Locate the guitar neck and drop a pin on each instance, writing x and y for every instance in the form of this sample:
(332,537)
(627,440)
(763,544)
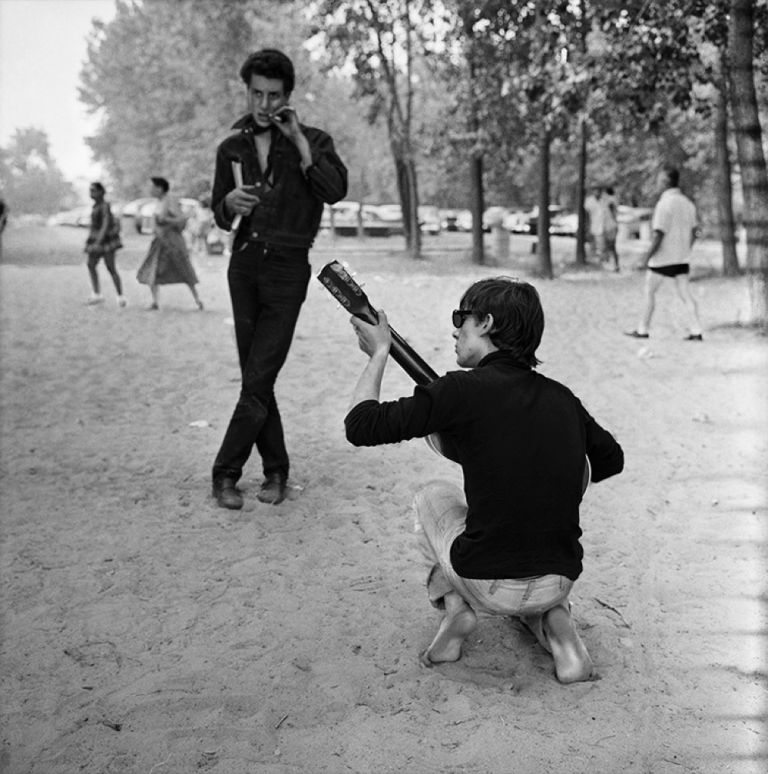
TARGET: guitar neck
(409,360)
(350,295)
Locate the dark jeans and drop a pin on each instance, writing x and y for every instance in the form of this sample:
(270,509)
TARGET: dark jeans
(267,286)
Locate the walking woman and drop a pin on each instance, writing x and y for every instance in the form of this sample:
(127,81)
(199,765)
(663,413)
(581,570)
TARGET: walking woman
(167,262)
(103,242)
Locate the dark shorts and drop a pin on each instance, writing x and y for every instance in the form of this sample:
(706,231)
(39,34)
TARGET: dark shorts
(672,270)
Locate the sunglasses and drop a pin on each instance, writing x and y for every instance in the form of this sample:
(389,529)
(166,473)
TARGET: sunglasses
(459,315)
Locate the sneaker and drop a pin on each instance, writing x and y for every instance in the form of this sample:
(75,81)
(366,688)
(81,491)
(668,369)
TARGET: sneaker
(96,298)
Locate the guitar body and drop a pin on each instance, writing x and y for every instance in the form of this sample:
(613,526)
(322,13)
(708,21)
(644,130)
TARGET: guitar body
(351,296)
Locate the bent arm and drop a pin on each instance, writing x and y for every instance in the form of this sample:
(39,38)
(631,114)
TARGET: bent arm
(326,175)
(658,236)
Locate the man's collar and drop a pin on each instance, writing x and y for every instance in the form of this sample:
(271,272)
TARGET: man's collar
(247,123)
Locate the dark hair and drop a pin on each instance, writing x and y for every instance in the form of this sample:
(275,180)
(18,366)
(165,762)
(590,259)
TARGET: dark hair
(161,182)
(98,186)
(270,63)
(518,319)
(672,174)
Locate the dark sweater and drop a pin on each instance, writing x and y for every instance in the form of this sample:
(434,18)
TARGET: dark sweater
(520,439)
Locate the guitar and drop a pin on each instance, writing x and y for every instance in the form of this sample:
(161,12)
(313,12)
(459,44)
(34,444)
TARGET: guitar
(350,295)
(340,284)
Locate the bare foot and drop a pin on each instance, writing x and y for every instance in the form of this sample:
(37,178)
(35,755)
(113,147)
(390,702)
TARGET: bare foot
(457,624)
(572,661)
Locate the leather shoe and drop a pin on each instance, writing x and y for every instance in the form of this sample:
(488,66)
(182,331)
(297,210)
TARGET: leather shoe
(272,489)
(636,334)
(226,494)
(694,337)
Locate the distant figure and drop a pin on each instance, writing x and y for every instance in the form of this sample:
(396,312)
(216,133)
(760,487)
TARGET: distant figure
(674,232)
(610,227)
(103,242)
(199,226)
(596,232)
(167,262)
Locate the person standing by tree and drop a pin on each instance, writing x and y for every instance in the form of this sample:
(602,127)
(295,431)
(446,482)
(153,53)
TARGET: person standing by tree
(595,209)
(288,172)
(167,262)
(674,232)
(610,227)
(103,242)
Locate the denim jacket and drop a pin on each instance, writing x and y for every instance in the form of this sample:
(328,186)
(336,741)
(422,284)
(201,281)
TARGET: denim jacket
(289,212)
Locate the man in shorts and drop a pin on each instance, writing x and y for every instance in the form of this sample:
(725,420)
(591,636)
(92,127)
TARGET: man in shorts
(674,232)
(508,544)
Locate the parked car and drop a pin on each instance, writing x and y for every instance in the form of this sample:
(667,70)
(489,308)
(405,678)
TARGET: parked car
(429,219)
(392,214)
(533,218)
(145,220)
(517,222)
(634,222)
(564,224)
(79,216)
(464,220)
(377,220)
(448,220)
(131,209)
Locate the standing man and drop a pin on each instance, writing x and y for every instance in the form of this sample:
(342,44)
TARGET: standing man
(509,544)
(594,207)
(674,232)
(288,172)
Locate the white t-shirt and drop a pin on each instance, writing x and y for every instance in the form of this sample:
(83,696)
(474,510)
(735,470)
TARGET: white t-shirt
(675,216)
(595,210)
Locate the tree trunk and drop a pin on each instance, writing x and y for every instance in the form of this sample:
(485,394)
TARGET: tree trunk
(543,249)
(581,231)
(477,204)
(727,223)
(412,214)
(750,153)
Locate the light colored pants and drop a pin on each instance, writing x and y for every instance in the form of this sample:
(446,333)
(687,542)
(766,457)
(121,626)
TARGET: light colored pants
(441,512)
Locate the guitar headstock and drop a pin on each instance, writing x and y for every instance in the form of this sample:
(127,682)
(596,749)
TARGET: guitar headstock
(346,291)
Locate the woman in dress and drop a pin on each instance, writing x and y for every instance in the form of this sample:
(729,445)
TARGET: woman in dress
(103,242)
(167,262)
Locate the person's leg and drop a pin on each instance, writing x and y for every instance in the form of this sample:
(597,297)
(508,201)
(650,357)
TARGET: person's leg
(546,612)
(109,262)
(199,303)
(610,246)
(691,307)
(440,516)
(153,289)
(652,283)
(266,303)
(93,260)
(572,660)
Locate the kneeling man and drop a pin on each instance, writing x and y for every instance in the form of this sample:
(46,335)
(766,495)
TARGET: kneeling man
(509,544)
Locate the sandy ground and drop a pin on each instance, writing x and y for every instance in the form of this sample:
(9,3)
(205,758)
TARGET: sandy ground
(145,630)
